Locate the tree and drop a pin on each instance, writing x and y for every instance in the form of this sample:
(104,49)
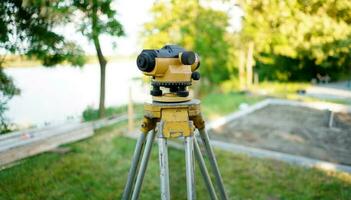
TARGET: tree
(96,18)
(190,24)
(26,29)
(7,91)
(296,39)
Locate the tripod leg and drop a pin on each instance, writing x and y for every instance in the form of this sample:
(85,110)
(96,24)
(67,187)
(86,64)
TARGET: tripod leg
(143,165)
(204,171)
(189,164)
(164,171)
(213,162)
(133,168)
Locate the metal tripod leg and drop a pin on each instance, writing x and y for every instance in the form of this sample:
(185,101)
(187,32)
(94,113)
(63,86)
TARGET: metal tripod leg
(164,171)
(213,162)
(204,171)
(189,164)
(143,165)
(134,166)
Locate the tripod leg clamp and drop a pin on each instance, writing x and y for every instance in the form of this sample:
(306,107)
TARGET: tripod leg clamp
(147,125)
(198,121)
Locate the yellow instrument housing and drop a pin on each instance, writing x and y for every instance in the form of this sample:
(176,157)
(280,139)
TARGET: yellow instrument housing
(171,70)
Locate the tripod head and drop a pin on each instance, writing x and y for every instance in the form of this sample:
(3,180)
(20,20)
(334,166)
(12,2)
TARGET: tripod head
(171,67)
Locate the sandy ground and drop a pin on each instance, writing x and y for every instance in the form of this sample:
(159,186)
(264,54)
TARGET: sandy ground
(294,130)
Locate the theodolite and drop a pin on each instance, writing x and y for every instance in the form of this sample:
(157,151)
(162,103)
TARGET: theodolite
(173,113)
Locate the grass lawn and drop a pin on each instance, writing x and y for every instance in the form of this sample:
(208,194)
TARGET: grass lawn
(97,168)
(216,105)
(213,105)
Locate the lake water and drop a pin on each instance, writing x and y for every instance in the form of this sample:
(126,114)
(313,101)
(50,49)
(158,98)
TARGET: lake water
(54,95)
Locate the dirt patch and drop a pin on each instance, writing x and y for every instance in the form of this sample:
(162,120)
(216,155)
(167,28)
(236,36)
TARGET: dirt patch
(294,130)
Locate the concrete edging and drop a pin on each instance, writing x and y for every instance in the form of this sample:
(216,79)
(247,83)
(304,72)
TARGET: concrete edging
(289,158)
(262,153)
(21,144)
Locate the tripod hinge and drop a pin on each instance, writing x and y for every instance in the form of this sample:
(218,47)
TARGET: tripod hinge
(147,125)
(198,121)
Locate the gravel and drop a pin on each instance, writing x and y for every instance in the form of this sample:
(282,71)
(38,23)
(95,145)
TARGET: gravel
(292,129)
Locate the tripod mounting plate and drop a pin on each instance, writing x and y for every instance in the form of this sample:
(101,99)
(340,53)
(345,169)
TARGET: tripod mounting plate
(177,119)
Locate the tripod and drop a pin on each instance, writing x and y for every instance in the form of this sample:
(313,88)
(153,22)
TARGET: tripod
(174,120)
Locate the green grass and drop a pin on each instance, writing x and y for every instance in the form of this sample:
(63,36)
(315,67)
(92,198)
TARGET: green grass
(213,106)
(97,168)
(90,113)
(216,105)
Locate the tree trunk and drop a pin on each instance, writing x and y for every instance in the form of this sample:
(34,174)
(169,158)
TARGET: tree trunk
(102,89)
(102,60)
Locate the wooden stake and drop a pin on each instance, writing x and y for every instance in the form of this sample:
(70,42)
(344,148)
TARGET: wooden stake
(242,70)
(130,111)
(249,64)
(331,119)
(256,78)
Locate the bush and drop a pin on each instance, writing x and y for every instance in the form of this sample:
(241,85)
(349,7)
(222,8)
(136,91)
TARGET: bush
(91,113)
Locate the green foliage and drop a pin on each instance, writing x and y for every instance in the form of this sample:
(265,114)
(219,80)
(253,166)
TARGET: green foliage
(97,17)
(97,168)
(296,39)
(27,28)
(91,113)
(190,24)
(7,91)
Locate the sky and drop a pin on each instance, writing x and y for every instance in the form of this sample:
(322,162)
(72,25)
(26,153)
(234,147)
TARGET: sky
(133,14)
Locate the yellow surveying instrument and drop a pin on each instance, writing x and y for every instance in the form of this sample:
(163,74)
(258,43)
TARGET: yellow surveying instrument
(172,114)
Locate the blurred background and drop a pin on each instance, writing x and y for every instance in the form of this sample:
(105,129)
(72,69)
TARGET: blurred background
(53,54)
(66,63)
